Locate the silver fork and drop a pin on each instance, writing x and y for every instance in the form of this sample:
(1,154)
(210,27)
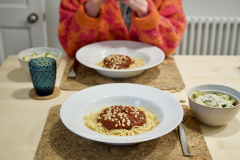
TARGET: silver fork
(72,73)
(183,140)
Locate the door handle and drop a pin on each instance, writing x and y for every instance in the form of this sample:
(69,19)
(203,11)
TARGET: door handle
(32,18)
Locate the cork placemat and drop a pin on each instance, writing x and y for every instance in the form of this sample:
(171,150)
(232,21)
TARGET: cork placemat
(58,143)
(164,76)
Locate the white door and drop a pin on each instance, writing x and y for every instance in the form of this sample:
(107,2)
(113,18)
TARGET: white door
(21,26)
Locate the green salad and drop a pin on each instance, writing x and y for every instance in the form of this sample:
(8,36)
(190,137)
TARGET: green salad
(37,55)
(216,100)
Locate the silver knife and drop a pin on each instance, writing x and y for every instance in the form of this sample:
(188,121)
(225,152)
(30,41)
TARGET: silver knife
(183,139)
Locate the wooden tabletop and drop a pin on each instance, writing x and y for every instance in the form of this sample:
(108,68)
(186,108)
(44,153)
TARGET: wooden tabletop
(22,119)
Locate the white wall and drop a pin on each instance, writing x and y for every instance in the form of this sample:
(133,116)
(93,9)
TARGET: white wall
(52,18)
(191,7)
(211,7)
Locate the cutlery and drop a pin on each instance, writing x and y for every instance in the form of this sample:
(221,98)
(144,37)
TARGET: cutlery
(183,140)
(72,73)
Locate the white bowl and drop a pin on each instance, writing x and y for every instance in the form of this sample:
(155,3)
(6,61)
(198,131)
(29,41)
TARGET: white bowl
(24,64)
(214,116)
(96,52)
(160,103)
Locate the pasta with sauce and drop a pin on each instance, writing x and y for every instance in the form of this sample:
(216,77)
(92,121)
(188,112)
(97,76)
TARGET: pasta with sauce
(116,61)
(91,121)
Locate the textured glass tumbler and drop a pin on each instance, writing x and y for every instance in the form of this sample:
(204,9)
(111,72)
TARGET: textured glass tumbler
(43,75)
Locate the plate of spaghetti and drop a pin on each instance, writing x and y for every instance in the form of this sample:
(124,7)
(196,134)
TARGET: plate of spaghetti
(120,59)
(121,113)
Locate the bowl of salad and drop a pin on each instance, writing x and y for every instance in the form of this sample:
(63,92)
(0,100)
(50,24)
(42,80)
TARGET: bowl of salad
(25,56)
(214,105)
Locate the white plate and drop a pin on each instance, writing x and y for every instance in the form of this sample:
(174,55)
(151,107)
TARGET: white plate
(163,105)
(96,52)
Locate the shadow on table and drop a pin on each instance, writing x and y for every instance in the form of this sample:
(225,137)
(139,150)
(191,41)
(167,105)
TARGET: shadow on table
(224,131)
(18,75)
(21,94)
(239,69)
(68,145)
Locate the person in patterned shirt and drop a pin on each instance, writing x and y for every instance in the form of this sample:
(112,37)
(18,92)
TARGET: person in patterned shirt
(156,22)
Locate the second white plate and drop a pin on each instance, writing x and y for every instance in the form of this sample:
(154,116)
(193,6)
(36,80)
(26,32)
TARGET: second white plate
(96,52)
(160,103)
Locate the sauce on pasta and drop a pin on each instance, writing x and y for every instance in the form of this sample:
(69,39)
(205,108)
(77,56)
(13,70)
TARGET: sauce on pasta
(121,117)
(116,61)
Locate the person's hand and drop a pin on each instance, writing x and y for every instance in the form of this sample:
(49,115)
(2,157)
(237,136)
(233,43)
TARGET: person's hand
(92,7)
(140,6)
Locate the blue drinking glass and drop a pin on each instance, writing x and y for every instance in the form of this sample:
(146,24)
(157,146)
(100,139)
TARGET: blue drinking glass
(43,75)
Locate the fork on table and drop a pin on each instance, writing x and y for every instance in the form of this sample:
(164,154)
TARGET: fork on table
(72,73)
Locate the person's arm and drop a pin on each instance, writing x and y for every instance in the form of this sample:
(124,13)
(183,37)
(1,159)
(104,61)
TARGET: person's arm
(76,28)
(162,27)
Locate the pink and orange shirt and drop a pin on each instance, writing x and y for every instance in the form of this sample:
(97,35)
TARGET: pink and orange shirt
(162,27)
